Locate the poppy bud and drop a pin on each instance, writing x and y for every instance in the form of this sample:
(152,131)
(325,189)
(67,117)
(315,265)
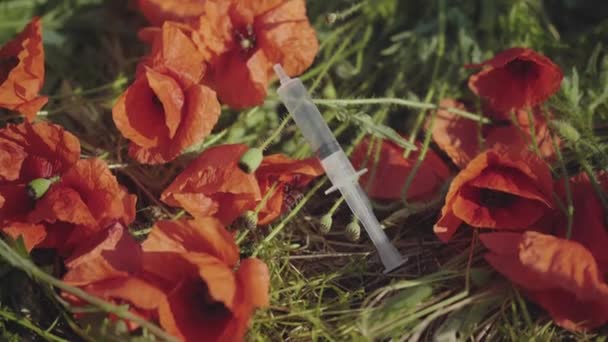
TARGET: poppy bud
(325,223)
(251,160)
(331,18)
(39,186)
(250,219)
(566,130)
(353,230)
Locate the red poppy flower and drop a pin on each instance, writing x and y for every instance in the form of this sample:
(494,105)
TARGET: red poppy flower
(85,200)
(516,78)
(460,137)
(28,152)
(213,185)
(22,71)
(186,277)
(501,188)
(288,176)
(164,111)
(242,40)
(562,276)
(105,266)
(392,169)
(159,11)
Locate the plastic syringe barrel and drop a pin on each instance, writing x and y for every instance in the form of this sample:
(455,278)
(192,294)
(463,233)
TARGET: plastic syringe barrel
(336,164)
(308,118)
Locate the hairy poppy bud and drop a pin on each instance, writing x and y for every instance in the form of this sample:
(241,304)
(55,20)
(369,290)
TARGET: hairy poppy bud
(353,230)
(331,18)
(250,219)
(325,223)
(39,186)
(566,130)
(251,160)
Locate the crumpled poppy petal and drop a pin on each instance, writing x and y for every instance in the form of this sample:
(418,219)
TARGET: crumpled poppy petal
(170,95)
(254,280)
(65,204)
(32,234)
(204,235)
(138,116)
(241,82)
(244,11)
(215,174)
(286,175)
(107,200)
(22,71)
(554,271)
(197,204)
(175,53)
(140,293)
(218,277)
(12,157)
(214,32)
(287,37)
(159,11)
(113,253)
(516,78)
(49,143)
(392,169)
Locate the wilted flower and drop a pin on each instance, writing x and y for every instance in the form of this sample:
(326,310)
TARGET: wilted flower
(22,71)
(502,188)
(214,185)
(284,177)
(517,78)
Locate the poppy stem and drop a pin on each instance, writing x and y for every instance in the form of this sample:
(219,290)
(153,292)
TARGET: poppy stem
(422,154)
(17,261)
(24,322)
(569,210)
(400,102)
(279,227)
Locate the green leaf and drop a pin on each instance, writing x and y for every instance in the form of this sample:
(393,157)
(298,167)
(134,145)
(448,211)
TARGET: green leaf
(461,324)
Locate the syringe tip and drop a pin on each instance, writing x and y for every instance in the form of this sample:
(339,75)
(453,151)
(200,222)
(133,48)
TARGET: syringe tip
(278,69)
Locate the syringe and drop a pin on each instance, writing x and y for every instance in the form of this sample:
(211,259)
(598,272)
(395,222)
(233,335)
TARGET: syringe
(338,168)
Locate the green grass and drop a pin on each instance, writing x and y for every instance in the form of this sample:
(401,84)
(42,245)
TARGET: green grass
(383,66)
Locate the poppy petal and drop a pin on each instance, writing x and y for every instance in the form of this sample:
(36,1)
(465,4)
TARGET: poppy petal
(555,271)
(516,78)
(287,37)
(22,71)
(204,235)
(111,254)
(32,234)
(251,76)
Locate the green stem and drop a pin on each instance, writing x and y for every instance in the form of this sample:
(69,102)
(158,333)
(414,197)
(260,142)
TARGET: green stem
(279,227)
(9,316)
(421,155)
(400,102)
(28,267)
(569,206)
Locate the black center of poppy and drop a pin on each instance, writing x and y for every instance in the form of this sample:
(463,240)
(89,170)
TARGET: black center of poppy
(245,37)
(206,304)
(523,69)
(495,199)
(6,65)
